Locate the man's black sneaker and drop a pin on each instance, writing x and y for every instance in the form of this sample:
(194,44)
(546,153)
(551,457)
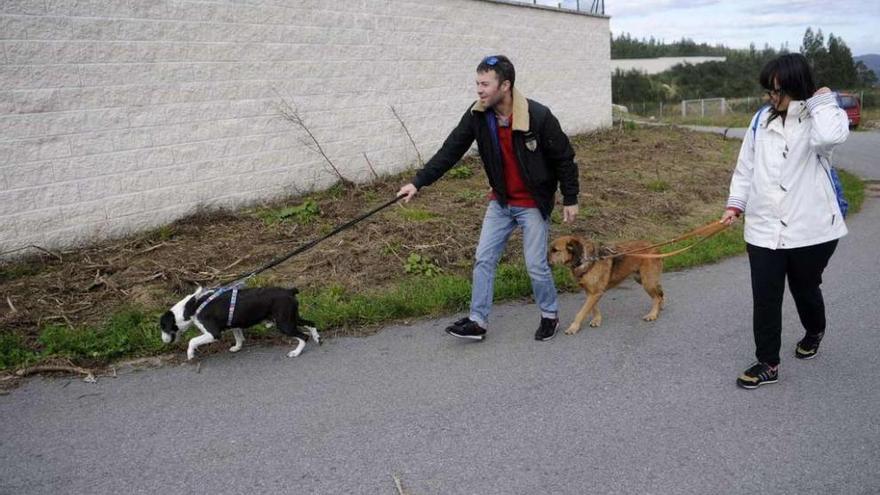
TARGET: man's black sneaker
(461,322)
(808,347)
(547,330)
(465,328)
(759,374)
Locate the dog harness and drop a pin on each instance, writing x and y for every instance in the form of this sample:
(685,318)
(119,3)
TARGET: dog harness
(213,296)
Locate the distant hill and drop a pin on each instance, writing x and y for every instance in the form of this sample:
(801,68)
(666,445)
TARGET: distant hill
(872,60)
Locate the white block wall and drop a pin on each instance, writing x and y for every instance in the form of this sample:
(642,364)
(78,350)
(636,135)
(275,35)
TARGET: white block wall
(122,115)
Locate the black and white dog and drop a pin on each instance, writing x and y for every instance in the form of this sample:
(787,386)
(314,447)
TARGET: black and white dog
(237,309)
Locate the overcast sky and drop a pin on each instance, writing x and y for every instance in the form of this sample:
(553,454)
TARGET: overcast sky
(736,23)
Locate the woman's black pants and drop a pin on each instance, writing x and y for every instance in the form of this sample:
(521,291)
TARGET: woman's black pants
(803,266)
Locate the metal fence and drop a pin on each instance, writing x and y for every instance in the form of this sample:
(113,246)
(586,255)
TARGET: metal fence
(708,108)
(596,7)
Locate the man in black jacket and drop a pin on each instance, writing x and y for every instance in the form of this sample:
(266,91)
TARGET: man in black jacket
(526,157)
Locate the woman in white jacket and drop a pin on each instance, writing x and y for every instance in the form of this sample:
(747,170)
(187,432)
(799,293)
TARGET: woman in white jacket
(792,218)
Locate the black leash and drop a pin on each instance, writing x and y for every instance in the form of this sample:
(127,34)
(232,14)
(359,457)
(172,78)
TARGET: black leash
(239,281)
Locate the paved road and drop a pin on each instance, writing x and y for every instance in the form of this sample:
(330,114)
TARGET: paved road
(629,408)
(860,153)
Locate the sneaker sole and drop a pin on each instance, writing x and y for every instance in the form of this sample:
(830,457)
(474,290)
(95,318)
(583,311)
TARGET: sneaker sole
(751,387)
(468,337)
(805,356)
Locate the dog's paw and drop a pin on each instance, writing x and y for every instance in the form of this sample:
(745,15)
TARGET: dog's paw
(572,330)
(190,355)
(650,317)
(235,348)
(596,322)
(315,335)
(300,344)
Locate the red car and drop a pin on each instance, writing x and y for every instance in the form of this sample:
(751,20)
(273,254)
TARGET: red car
(852,106)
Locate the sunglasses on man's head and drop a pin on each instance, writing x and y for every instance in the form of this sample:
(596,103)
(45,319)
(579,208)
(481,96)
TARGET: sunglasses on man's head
(491,61)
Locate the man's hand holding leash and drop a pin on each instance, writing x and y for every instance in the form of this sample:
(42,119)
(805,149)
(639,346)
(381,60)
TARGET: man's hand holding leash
(407,191)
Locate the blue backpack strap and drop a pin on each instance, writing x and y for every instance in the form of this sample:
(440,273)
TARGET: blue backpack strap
(492,122)
(755,122)
(837,185)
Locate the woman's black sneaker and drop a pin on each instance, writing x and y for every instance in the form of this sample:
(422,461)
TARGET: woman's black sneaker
(808,347)
(465,328)
(547,329)
(759,374)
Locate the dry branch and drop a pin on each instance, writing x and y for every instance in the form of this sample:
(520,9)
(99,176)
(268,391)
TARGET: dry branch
(291,114)
(394,111)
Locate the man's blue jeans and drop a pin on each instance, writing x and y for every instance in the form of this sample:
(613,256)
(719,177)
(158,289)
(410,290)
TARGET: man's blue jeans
(498,224)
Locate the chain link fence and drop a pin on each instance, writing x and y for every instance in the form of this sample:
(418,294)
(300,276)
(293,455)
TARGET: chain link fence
(731,112)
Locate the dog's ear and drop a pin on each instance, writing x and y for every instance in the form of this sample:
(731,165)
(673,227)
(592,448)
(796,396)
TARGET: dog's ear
(189,309)
(576,249)
(199,291)
(166,322)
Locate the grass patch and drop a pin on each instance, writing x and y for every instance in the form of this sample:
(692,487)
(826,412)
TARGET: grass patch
(727,243)
(128,332)
(853,190)
(870,119)
(460,171)
(416,214)
(470,195)
(338,307)
(14,353)
(417,264)
(303,213)
(658,185)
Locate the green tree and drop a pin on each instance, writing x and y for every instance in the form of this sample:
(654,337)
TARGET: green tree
(865,76)
(842,70)
(813,48)
(632,86)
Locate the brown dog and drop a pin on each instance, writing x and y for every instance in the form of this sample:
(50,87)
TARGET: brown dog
(597,276)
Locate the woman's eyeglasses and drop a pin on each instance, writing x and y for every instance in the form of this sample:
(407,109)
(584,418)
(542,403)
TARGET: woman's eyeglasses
(773,92)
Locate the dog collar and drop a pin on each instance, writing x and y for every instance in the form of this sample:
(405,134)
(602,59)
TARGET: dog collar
(583,266)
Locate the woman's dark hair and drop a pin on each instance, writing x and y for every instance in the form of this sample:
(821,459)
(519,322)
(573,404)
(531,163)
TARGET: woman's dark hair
(793,73)
(502,66)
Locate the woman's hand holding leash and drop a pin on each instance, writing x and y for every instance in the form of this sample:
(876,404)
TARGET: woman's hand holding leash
(730,216)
